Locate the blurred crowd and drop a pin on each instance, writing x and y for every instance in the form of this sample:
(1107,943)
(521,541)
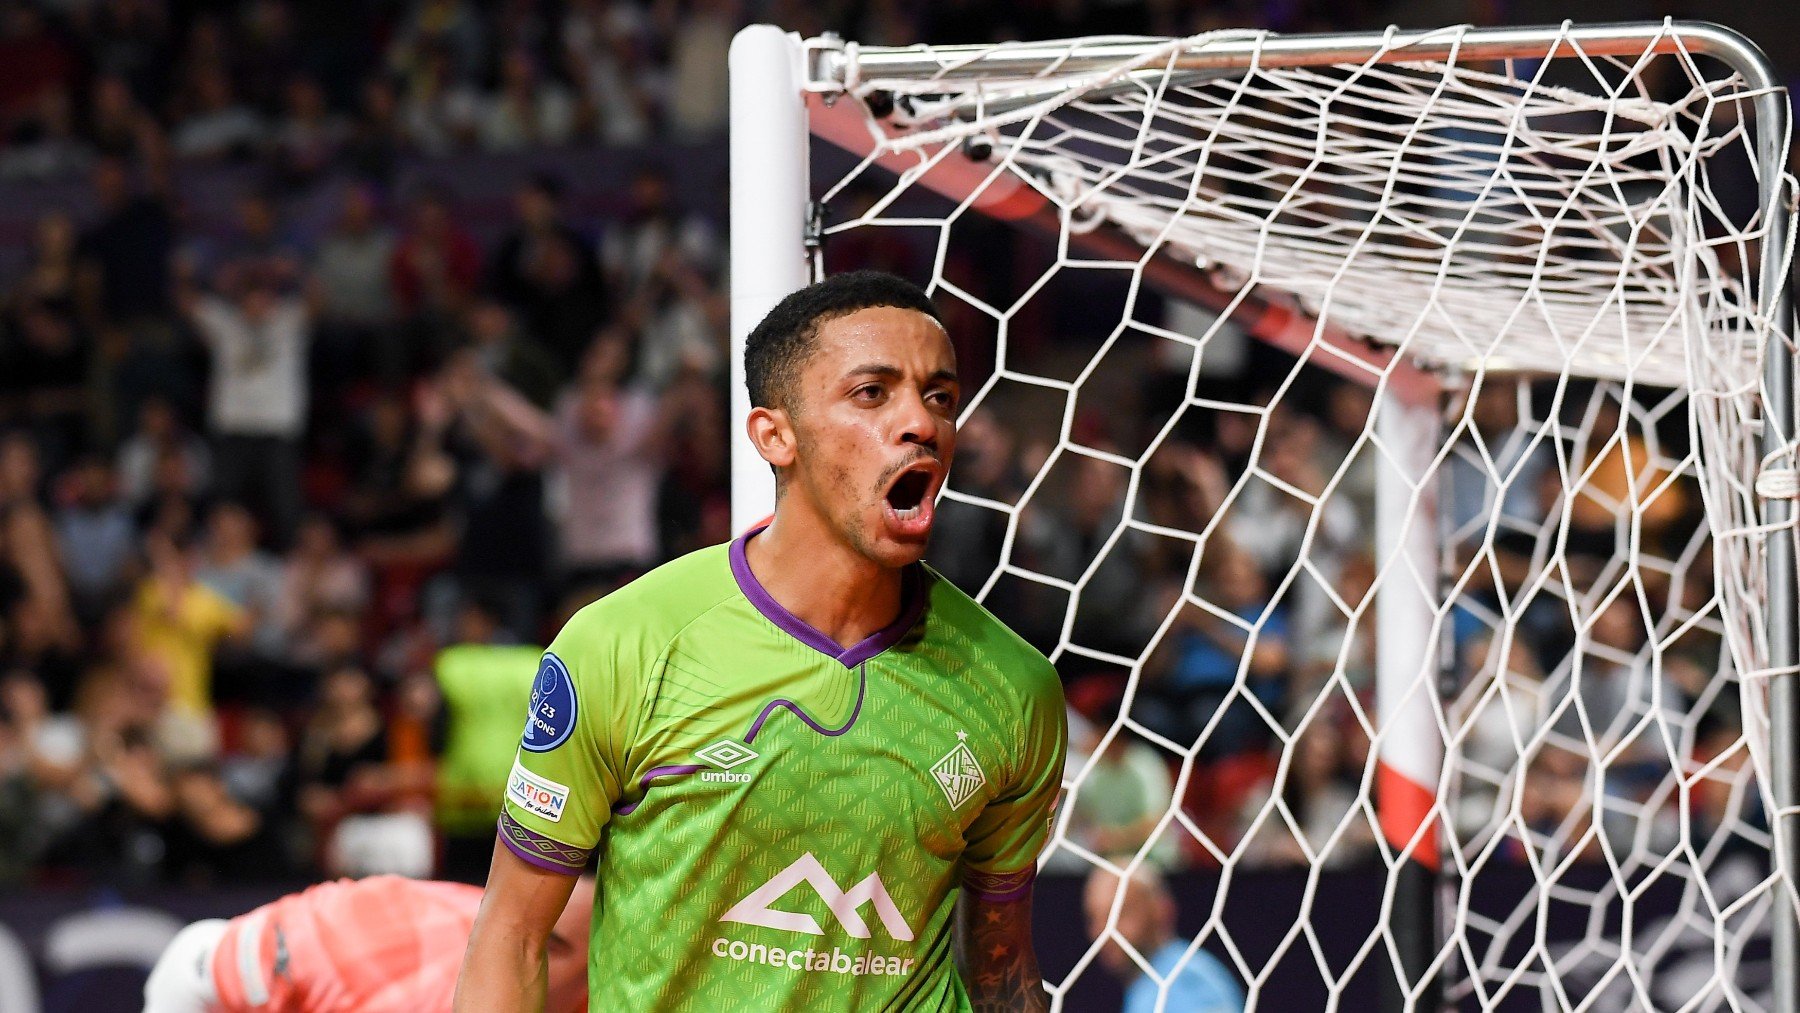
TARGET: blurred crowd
(271,485)
(276,496)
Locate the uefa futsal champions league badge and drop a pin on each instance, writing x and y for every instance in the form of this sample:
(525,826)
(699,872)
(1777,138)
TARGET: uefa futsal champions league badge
(553,706)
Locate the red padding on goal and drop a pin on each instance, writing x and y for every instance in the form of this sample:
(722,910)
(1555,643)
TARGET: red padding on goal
(1404,805)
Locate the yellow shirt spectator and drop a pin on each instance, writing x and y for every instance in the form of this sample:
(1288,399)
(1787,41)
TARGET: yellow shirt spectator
(179,625)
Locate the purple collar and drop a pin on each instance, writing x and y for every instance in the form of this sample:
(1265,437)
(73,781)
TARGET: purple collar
(912,604)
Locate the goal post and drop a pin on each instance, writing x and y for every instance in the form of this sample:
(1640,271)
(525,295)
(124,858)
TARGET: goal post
(1530,225)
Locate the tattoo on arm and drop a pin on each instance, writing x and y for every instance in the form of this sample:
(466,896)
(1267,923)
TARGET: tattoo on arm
(999,963)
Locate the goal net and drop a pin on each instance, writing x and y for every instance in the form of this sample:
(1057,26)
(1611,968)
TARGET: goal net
(1388,439)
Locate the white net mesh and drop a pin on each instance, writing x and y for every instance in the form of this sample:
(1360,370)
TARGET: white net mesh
(1188,524)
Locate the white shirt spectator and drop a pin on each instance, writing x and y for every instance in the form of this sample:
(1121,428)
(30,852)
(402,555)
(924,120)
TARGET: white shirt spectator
(507,123)
(623,90)
(259,368)
(217,132)
(603,494)
(698,86)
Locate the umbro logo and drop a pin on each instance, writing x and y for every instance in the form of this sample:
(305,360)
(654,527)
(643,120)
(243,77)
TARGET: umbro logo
(958,773)
(726,754)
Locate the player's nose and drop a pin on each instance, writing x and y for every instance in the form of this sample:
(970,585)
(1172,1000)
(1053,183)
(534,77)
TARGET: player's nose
(916,423)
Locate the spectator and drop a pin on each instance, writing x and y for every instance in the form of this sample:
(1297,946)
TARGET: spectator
(159,433)
(1320,792)
(606,53)
(437,113)
(1201,673)
(436,266)
(258,338)
(349,790)
(232,564)
(47,143)
(654,228)
(357,330)
(52,267)
(352,267)
(663,258)
(37,62)
(318,577)
(694,504)
(452,28)
(216,124)
(181,622)
(310,136)
(127,254)
(119,125)
(548,273)
(211,838)
(526,110)
(606,449)
(501,348)
(34,593)
(399,499)
(265,51)
(257,770)
(1140,913)
(96,536)
(44,378)
(127,41)
(697,83)
(504,548)
(1623,482)
(106,808)
(375,136)
(1125,792)
(259,249)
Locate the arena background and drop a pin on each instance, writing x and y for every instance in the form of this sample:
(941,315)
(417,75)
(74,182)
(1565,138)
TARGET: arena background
(247,610)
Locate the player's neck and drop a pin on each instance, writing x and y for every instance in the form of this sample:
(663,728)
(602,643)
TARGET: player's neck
(824,583)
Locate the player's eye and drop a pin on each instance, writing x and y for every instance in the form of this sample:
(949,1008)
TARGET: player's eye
(941,399)
(867,392)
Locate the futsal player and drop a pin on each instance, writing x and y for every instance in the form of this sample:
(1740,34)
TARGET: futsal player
(813,773)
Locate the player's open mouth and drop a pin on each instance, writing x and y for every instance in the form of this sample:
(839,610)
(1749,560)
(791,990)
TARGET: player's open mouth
(909,499)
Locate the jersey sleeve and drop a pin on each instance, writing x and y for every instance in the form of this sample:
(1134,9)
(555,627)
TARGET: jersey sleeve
(1001,846)
(570,766)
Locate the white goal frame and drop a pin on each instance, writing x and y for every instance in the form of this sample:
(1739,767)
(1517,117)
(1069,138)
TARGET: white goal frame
(776,78)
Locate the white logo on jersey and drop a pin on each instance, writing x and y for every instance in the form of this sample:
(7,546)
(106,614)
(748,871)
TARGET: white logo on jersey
(726,754)
(958,773)
(537,795)
(755,910)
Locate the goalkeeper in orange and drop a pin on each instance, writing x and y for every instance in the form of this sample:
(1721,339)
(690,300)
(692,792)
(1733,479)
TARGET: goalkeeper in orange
(377,945)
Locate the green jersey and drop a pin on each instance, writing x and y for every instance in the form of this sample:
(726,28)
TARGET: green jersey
(780,822)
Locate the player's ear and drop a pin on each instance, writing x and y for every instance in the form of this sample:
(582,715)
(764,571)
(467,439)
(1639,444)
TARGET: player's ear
(772,433)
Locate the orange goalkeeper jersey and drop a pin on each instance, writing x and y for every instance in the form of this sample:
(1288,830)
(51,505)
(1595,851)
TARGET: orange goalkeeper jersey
(378,945)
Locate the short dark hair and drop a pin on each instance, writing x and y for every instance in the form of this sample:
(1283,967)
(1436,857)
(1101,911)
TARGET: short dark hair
(779,346)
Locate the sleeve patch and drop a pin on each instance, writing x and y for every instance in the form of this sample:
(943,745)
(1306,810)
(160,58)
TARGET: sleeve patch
(537,795)
(553,707)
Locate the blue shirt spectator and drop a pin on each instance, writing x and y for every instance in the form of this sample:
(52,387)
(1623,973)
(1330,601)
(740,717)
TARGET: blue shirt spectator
(1140,912)
(1202,986)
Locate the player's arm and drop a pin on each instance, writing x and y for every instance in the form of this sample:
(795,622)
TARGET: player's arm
(505,966)
(994,949)
(559,796)
(1001,847)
